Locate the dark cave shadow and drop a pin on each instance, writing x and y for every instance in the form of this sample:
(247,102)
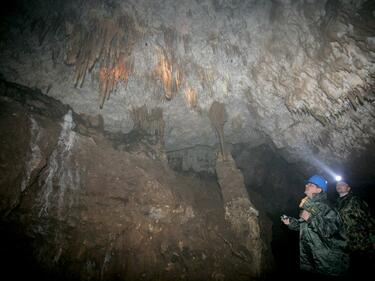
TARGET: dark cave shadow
(285,248)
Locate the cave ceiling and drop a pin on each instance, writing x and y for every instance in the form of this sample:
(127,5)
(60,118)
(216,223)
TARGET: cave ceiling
(298,73)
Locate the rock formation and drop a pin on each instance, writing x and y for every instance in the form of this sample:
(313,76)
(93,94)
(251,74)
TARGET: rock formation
(90,211)
(240,213)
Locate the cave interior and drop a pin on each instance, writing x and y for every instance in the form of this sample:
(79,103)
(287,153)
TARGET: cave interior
(163,140)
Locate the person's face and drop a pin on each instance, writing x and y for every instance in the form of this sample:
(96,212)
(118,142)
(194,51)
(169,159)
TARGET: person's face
(311,189)
(342,187)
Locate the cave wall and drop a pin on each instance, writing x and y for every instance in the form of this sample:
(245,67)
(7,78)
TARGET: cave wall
(199,159)
(81,209)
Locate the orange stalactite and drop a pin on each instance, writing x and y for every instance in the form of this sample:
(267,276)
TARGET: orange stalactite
(169,75)
(178,79)
(103,74)
(109,77)
(191,97)
(164,70)
(106,42)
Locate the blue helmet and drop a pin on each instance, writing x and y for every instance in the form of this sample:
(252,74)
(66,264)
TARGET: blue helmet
(319,181)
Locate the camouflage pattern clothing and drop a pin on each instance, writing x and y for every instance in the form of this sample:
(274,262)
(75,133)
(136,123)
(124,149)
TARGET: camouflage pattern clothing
(322,245)
(358,224)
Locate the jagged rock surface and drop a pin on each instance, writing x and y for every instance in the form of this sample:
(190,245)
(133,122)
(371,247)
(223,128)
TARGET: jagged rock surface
(90,211)
(298,72)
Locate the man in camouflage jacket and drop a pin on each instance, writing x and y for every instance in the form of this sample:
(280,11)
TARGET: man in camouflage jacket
(322,245)
(359,228)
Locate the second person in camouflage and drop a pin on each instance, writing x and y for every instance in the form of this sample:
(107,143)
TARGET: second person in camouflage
(359,228)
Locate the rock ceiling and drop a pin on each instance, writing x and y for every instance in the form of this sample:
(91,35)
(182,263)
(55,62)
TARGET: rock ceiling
(300,73)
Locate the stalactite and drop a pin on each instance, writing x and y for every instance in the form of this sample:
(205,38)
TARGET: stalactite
(191,97)
(321,119)
(110,75)
(360,94)
(217,115)
(151,122)
(74,43)
(44,31)
(354,118)
(169,73)
(105,41)
(351,98)
(164,70)
(139,116)
(207,78)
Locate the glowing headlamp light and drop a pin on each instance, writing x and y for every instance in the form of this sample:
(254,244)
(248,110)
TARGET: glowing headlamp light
(338,178)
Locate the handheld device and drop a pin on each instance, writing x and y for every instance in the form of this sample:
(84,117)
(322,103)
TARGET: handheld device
(284,217)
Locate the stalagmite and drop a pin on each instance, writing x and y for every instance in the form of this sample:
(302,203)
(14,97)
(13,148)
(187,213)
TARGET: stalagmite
(217,115)
(240,213)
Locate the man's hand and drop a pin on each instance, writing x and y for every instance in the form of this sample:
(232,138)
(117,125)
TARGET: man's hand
(305,215)
(286,220)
